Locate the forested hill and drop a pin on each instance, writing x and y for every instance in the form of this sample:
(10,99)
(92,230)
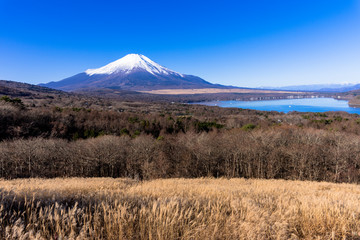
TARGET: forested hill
(24,89)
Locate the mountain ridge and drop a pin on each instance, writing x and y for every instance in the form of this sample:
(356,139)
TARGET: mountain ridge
(318,87)
(133,72)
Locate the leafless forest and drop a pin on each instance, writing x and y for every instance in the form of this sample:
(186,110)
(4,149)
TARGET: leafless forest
(147,141)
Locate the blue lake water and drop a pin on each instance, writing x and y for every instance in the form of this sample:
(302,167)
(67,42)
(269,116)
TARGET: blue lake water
(288,105)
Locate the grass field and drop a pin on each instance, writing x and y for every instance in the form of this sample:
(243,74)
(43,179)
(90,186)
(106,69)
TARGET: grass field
(213,90)
(104,208)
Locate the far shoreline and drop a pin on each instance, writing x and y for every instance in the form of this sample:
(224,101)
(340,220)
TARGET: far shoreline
(247,104)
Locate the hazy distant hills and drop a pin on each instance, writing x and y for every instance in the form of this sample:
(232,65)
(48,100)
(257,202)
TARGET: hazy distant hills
(132,72)
(319,87)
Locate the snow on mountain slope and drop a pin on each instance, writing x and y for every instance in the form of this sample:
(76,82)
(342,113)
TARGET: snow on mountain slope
(133,72)
(131,62)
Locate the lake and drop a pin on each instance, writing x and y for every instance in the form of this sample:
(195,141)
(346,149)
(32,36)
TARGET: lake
(288,105)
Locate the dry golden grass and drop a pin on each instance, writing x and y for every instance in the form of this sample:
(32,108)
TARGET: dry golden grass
(103,208)
(212,90)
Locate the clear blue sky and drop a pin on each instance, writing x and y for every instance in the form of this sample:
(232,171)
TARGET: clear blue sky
(243,43)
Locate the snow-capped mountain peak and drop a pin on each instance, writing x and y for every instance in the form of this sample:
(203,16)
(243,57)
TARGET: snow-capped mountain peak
(129,63)
(133,72)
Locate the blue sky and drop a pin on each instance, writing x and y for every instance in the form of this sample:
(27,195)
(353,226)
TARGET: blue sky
(242,43)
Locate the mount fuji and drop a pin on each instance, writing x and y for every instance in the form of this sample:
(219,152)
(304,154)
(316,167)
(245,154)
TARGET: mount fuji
(133,72)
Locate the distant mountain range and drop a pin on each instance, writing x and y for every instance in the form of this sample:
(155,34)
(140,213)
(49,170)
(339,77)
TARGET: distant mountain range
(133,72)
(319,87)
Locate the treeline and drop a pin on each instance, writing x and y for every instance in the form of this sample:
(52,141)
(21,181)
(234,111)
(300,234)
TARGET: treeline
(124,95)
(81,123)
(147,141)
(72,123)
(287,153)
